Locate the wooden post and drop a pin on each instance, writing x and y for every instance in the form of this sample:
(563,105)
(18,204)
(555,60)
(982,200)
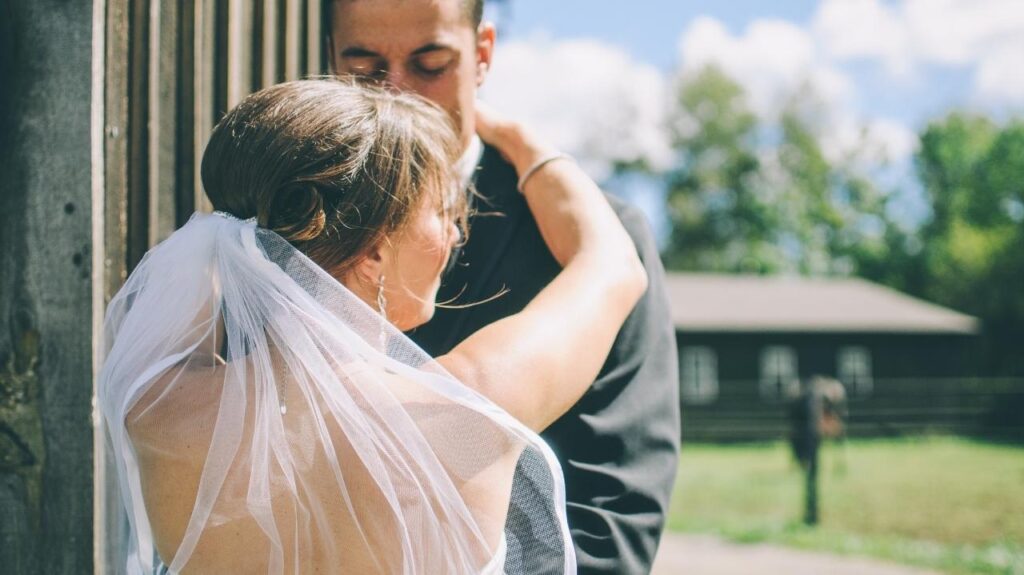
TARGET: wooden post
(270,43)
(204,78)
(314,39)
(239,53)
(164,97)
(47,284)
(293,40)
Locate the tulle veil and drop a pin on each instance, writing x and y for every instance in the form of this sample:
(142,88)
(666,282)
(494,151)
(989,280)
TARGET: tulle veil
(264,419)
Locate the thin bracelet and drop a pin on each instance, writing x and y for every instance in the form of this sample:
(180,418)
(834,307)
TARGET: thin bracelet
(538,165)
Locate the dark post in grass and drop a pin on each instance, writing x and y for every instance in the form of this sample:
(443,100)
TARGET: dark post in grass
(818,412)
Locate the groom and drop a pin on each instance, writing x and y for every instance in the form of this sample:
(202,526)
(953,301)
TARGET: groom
(618,446)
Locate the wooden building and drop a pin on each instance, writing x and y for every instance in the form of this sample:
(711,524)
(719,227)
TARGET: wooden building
(746,343)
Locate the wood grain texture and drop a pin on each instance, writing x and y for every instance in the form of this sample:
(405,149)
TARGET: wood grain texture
(102,128)
(204,85)
(164,97)
(45,288)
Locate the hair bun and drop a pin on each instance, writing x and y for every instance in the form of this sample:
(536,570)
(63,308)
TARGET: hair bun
(331,166)
(298,214)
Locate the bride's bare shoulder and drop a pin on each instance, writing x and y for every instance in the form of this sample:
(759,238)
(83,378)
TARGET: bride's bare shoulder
(404,384)
(184,396)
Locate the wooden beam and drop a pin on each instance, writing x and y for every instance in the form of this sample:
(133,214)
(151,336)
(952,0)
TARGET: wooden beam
(204,82)
(116,143)
(185,145)
(137,136)
(314,39)
(115,244)
(163,119)
(293,39)
(271,43)
(239,54)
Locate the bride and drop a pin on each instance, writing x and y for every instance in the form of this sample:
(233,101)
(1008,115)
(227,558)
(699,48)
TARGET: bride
(266,412)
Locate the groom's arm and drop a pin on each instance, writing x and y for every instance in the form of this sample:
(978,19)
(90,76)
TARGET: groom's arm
(620,443)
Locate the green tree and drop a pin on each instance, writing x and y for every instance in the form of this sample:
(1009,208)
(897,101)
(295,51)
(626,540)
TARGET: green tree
(719,220)
(973,244)
(752,195)
(838,216)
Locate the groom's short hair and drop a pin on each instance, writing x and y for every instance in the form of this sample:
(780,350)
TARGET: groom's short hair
(474,10)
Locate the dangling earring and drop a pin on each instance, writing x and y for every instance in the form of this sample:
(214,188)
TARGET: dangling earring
(382,302)
(382,307)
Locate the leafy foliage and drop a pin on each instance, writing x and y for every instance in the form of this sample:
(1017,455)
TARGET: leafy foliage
(748,195)
(973,246)
(720,221)
(760,195)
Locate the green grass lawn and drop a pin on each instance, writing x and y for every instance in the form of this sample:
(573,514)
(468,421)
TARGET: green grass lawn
(954,505)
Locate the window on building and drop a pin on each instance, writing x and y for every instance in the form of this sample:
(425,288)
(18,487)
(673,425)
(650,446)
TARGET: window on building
(780,378)
(854,370)
(699,375)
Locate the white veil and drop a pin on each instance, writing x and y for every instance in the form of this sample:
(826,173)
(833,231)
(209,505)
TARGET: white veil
(264,419)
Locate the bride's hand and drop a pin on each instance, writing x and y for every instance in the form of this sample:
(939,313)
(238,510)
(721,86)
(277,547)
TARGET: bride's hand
(489,125)
(519,361)
(517,145)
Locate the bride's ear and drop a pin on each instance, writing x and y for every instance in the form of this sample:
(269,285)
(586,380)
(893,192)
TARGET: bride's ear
(371,266)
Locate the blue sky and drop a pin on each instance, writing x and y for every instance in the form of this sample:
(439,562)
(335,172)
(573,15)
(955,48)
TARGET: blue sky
(650,30)
(883,68)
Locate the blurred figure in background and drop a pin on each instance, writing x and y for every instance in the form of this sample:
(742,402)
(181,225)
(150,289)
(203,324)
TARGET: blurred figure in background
(817,413)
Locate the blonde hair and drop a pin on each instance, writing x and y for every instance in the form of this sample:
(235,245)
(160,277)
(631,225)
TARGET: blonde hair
(333,166)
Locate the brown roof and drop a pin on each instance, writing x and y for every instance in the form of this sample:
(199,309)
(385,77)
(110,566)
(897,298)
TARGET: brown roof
(738,303)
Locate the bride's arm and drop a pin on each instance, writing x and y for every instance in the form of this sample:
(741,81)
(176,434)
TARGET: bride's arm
(537,363)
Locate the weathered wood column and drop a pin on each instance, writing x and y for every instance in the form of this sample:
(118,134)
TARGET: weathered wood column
(47,286)
(105,107)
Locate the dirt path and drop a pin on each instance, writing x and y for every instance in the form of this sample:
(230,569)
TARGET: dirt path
(704,555)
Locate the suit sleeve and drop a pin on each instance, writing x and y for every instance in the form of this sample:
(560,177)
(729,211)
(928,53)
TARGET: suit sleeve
(620,443)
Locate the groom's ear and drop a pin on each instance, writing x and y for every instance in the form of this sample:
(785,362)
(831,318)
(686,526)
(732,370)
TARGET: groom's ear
(485,37)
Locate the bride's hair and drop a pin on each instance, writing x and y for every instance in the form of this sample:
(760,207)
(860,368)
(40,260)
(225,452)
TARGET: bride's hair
(333,166)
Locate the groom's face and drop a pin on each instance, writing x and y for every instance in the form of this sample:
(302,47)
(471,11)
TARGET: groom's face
(425,46)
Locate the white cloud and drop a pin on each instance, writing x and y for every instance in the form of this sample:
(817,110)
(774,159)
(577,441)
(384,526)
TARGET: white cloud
(960,32)
(999,78)
(771,60)
(984,36)
(851,29)
(586,97)
(872,143)
(776,62)
(892,138)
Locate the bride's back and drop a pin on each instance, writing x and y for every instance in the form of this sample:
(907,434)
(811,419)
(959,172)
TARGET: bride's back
(325,522)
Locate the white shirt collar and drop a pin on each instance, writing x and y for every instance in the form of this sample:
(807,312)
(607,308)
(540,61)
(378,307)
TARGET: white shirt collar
(470,159)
